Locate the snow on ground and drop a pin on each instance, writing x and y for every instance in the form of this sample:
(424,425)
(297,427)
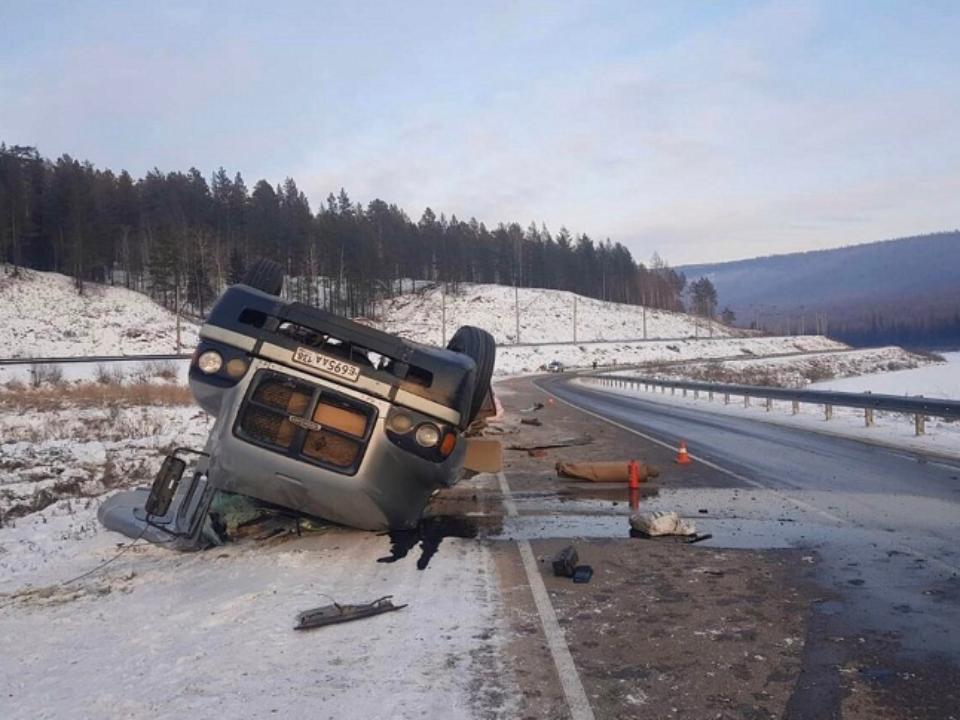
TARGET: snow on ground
(126,371)
(797,371)
(545,316)
(525,359)
(162,634)
(935,381)
(82,452)
(158,634)
(43,315)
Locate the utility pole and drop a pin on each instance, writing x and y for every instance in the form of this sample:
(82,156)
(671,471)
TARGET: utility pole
(176,301)
(516,291)
(574,318)
(443,314)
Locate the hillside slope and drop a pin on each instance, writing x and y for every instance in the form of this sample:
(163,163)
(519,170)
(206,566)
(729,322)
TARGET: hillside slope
(875,286)
(546,316)
(43,315)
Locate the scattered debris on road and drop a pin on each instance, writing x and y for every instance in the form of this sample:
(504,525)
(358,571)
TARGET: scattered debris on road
(561,443)
(659,523)
(617,471)
(565,562)
(336,613)
(582,574)
(531,421)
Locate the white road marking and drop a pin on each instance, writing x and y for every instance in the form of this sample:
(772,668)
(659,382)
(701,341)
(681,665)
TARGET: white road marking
(737,476)
(570,681)
(799,503)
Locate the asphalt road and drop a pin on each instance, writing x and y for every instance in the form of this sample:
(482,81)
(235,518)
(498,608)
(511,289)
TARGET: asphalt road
(883,523)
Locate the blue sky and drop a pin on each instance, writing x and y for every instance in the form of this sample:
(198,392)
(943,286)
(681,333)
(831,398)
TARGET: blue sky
(703,131)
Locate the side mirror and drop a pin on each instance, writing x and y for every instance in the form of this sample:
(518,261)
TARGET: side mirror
(165,486)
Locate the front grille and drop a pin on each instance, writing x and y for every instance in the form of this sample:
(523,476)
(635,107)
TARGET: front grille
(268,427)
(305,421)
(292,397)
(331,448)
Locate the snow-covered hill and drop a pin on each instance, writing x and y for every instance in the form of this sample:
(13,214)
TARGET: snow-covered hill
(43,315)
(545,316)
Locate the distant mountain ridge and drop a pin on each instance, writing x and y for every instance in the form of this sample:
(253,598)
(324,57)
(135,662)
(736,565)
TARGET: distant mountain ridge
(904,291)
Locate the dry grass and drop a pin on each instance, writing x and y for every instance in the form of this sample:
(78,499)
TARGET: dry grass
(41,375)
(88,395)
(109,374)
(164,369)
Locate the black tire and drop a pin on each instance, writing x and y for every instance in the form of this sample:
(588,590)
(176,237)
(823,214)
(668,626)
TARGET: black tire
(265,275)
(480,346)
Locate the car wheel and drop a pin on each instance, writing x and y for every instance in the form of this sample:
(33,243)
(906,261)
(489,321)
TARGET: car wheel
(482,348)
(265,275)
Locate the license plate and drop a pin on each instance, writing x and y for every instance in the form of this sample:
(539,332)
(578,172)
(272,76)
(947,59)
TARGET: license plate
(326,363)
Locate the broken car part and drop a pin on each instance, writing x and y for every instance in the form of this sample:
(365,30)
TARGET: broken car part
(336,613)
(582,574)
(612,472)
(562,443)
(565,562)
(661,523)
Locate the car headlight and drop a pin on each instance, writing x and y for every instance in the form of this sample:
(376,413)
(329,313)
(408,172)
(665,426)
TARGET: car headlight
(237,368)
(400,423)
(210,362)
(428,435)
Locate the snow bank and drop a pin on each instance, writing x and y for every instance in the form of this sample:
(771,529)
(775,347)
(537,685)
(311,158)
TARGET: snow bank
(42,315)
(799,370)
(935,381)
(545,316)
(524,359)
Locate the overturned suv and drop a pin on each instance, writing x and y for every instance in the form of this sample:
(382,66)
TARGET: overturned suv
(314,413)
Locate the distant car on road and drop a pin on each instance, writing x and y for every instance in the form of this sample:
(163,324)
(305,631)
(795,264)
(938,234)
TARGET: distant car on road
(556,366)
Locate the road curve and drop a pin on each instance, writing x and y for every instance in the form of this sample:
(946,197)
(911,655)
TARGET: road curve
(885,521)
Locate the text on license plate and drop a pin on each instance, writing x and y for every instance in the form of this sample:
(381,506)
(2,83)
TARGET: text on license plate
(326,363)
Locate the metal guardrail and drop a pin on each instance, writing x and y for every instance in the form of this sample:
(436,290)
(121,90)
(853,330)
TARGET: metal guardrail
(919,407)
(90,359)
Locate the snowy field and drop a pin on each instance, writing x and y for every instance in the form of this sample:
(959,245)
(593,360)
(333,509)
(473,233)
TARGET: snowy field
(125,371)
(79,450)
(520,360)
(546,316)
(934,381)
(158,634)
(802,370)
(43,315)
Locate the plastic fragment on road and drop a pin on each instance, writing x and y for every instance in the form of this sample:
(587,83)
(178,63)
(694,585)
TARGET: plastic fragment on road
(617,471)
(561,443)
(531,421)
(565,562)
(660,523)
(336,613)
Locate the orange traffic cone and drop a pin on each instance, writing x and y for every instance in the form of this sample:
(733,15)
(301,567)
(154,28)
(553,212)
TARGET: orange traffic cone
(682,457)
